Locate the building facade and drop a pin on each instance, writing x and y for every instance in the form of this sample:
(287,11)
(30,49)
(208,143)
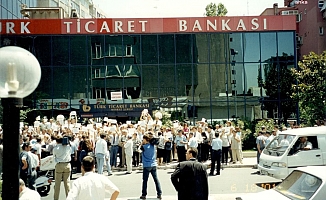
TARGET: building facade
(311,23)
(213,68)
(46,9)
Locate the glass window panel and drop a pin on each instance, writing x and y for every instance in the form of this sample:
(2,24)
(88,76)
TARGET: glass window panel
(251,47)
(218,79)
(61,82)
(167,80)
(166,49)
(79,82)
(285,43)
(235,47)
(202,89)
(218,42)
(45,85)
(149,81)
(42,45)
(184,48)
(149,49)
(268,45)
(4,13)
(60,50)
(201,48)
(251,76)
(78,50)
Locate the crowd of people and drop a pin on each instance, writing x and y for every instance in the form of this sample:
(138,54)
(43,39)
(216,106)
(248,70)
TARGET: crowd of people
(121,145)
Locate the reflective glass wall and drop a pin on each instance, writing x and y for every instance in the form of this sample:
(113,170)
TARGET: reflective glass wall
(10,9)
(211,76)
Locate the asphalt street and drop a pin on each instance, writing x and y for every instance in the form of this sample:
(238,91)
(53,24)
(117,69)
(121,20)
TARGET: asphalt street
(232,182)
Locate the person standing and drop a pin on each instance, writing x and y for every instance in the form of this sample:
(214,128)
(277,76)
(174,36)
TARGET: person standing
(128,146)
(190,178)
(180,141)
(34,164)
(114,148)
(236,147)
(149,167)
(260,141)
(61,155)
(100,152)
(192,141)
(216,155)
(91,185)
(25,163)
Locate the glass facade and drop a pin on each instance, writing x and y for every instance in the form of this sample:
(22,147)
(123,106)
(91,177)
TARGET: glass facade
(204,75)
(10,9)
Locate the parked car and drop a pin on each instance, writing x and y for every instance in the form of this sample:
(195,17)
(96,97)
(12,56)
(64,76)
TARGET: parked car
(303,183)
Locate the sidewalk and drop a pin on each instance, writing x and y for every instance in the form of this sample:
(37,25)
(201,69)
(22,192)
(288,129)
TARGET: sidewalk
(249,161)
(211,197)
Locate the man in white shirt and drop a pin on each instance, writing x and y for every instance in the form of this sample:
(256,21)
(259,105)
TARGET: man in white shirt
(34,163)
(100,152)
(91,185)
(128,146)
(192,141)
(27,194)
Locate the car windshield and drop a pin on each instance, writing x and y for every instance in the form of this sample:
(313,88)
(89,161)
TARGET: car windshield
(299,185)
(278,145)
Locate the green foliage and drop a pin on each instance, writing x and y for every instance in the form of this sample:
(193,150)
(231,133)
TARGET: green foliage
(215,10)
(311,88)
(24,114)
(269,124)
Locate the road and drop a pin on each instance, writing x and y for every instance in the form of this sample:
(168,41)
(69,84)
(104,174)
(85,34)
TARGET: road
(231,183)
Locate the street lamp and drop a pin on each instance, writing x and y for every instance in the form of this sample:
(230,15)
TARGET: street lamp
(20,74)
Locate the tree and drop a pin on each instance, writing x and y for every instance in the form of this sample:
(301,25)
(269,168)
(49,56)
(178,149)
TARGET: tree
(213,10)
(310,89)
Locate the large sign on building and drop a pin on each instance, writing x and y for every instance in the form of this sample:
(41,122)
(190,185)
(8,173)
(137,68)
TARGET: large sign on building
(147,25)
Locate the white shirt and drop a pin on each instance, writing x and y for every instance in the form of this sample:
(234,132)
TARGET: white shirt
(91,186)
(128,147)
(34,159)
(193,142)
(101,147)
(61,153)
(28,194)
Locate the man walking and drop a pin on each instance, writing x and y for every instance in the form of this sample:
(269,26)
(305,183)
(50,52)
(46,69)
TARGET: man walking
(190,178)
(100,153)
(149,166)
(91,185)
(61,155)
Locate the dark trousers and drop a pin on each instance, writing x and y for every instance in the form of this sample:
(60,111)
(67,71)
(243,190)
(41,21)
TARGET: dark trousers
(135,158)
(231,157)
(167,156)
(181,151)
(146,172)
(225,151)
(216,157)
(113,155)
(73,164)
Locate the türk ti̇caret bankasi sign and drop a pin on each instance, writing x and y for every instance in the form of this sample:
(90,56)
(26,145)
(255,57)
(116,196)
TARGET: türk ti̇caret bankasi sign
(147,25)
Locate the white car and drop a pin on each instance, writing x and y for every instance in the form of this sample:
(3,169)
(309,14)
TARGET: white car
(302,183)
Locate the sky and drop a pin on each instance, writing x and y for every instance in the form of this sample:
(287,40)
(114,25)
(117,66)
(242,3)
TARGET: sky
(180,8)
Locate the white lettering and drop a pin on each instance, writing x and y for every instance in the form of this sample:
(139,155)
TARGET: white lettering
(131,26)
(10,27)
(68,26)
(143,25)
(255,24)
(78,25)
(265,24)
(105,27)
(241,25)
(87,27)
(23,27)
(118,25)
(197,26)
(225,25)
(182,25)
(210,24)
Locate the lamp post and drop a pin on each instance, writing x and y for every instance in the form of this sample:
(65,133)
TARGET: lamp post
(20,74)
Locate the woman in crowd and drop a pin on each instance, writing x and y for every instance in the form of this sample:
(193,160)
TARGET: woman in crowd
(136,145)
